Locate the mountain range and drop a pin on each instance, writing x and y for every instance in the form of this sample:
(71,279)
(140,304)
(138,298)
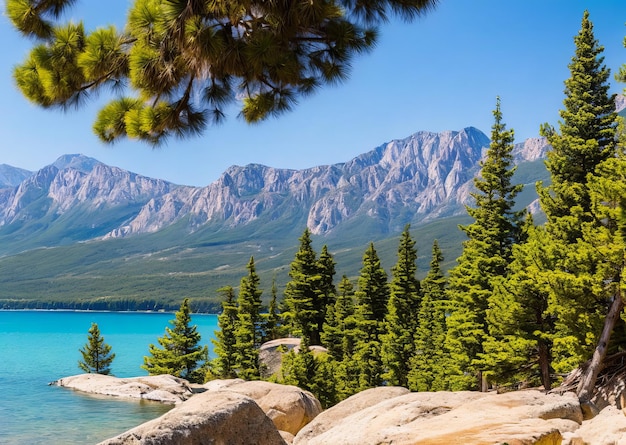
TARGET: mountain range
(79,232)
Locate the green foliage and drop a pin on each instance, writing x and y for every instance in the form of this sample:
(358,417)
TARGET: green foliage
(272,321)
(327,291)
(579,230)
(249,301)
(224,365)
(486,255)
(312,372)
(521,330)
(247,354)
(180,354)
(401,321)
(372,297)
(338,334)
(586,137)
(188,62)
(97,355)
(428,365)
(303,294)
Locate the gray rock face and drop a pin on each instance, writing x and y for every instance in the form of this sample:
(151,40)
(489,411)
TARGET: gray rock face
(419,178)
(427,174)
(12,176)
(80,182)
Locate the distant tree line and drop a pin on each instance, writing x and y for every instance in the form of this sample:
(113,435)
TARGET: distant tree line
(206,306)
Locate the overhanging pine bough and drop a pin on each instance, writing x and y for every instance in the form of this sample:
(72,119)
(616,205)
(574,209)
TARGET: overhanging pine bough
(179,64)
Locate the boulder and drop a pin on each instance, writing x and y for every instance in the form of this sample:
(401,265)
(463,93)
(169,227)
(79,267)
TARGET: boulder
(271,354)
(161,388)
(607,428)
(522,417)
(289,407)
(220,417)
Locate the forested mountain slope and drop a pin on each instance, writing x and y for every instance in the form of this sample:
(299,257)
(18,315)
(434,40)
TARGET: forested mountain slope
(113,235)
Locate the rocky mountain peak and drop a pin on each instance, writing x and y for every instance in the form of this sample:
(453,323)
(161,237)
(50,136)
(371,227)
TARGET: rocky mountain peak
(12,176)
(78,162)
(419,178)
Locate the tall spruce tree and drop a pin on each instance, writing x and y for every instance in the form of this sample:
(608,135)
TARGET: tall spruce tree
(247,355)
(605,240)
(249,300)
(486,255)
(225,364)
(327,291)
(303,292)
(248,332)
(398,342)
(97,355)
(272,324)
(427,368)
(372,296)
(180,353)
(338,331)
(586,138)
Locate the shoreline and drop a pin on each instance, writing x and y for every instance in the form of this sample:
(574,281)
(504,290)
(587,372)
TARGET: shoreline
(102,311)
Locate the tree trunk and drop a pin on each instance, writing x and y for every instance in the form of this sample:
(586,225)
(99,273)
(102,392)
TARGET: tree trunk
(544,365)
(588,379)
(483,384)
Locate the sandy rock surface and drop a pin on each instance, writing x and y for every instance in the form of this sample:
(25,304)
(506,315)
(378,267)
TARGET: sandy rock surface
(289,407)
(207,418)
(159,388)
(524,417)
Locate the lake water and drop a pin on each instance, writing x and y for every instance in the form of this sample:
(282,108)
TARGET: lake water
(38,347)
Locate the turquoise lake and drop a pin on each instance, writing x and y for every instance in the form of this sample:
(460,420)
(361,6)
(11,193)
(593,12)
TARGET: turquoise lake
(38,347)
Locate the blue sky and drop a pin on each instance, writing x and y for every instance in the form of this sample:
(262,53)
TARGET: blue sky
(442,72)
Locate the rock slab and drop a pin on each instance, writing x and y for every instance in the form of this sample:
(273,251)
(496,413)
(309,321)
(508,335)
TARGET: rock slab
(159,388)
(470,418)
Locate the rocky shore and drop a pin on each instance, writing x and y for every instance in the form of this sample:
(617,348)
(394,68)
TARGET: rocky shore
(242,413)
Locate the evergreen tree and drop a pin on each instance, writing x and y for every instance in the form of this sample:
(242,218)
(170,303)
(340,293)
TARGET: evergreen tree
(249,331)
(428,365)
(302,294)
(247,355)
(338,330)
(585,140)
(312,372)
(187,62)
(372,297)
(486,255)
(586,137)
(249,301)
(521,330)
(327,290)
(97,356)
(272,326)
(225,363)
(180,353)
(604,240)
(398,342)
